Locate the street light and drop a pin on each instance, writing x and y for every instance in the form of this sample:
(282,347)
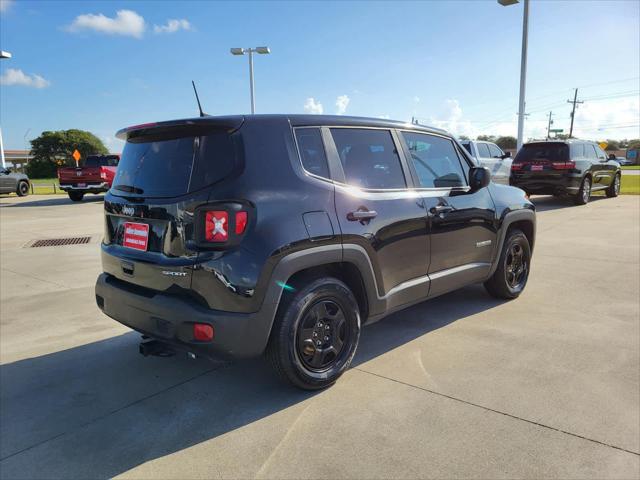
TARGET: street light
(523,64)
(3,54)
(251,51)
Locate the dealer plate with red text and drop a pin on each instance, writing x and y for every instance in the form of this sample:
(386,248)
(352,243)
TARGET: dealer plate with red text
(136,236)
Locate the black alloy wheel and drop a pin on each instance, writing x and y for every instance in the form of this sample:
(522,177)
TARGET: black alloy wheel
(322,335)
(516,267)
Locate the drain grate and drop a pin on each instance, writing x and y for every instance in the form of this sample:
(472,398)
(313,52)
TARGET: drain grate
(58,242)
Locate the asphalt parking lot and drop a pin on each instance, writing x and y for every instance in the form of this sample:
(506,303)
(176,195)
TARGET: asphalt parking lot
(464,386)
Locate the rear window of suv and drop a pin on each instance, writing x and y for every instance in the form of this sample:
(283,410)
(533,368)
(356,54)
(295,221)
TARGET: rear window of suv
(101,161)
(552,152)
(175,166)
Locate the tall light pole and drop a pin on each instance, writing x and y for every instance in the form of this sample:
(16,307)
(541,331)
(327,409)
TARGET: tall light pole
(250,52)
(523,65)
(3,54)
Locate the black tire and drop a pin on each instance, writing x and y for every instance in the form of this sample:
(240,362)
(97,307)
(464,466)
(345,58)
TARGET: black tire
(76,196)
(614,188)
(23,188)
(584,193)
(300,314)
(505,282)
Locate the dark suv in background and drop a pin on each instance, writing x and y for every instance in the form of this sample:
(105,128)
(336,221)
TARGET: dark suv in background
(574,167)
(284,234)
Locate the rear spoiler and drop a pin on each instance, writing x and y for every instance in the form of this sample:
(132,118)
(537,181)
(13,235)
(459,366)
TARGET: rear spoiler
(194,126)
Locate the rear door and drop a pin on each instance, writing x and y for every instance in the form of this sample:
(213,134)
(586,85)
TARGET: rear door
(461,224)
(484,157)
(378,212)
(152,210)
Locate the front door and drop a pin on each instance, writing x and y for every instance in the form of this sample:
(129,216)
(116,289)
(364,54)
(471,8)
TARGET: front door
(7,182)
(501,165)
(461,224)
(379,213)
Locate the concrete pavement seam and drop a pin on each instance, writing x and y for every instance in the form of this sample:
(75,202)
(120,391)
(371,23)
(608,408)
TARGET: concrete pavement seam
(39,279)
(112,412)
(466,402)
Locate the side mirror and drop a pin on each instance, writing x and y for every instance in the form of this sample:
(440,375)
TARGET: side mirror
(612,156)
(479,177)
(506,155)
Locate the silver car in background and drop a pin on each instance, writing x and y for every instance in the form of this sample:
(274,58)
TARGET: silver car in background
(491,156)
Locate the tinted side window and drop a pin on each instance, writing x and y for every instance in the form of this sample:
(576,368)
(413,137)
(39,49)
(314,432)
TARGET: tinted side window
(467,147)
(483,150)
(494,151)
(590,151)
(369,158)
(600,153)
(312,154)
(435,159)
(577,150)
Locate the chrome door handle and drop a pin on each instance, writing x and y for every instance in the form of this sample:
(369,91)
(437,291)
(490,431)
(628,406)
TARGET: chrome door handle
(361,215)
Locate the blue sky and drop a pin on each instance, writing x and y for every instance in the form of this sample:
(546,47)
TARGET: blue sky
(454,64)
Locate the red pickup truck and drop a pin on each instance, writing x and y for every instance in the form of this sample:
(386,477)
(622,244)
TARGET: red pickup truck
(95,176)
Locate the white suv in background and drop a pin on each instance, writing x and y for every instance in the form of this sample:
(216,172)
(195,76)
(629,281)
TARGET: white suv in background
(491,156)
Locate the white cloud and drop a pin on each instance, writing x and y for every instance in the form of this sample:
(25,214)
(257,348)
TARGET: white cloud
(612,118)
(416,99)
(14,76)
(126,22)
(342,102)
(5,5)
(311,106)
(172,26)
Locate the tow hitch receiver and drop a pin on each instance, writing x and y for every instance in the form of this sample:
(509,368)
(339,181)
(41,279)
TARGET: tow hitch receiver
(155,348)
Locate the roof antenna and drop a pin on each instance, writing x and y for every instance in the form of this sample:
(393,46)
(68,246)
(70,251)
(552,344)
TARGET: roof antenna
(202,114)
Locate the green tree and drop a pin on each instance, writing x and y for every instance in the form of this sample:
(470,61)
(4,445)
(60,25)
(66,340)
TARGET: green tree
(463,137)
(612,145)
(54,149)
(635,143)
(487,138)
(507,143)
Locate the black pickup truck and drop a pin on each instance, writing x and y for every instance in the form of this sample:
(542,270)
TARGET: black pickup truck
(284,234)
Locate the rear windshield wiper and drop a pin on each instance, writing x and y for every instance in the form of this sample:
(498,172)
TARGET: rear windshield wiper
(129,189)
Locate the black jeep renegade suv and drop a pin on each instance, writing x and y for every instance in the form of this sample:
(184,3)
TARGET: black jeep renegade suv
(283,234)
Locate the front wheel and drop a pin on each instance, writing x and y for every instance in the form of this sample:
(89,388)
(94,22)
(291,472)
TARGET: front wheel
(584,194)
(614,188)
(512,273)
(315,334)
(23,188)
(76,196)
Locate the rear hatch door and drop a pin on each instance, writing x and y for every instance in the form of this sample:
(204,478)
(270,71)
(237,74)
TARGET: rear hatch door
(542,160)
(164,175)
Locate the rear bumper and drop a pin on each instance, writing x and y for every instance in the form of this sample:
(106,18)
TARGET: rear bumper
(89,187)
(546,184)
(170,319)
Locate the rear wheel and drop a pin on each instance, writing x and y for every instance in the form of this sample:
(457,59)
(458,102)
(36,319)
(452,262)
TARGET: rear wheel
(584,193)
(614,188)
(315,334)
(510,278)
(76,196)
(23,188)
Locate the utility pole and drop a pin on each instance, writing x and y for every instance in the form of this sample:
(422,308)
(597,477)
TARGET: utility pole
(573,111)
(549,125)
